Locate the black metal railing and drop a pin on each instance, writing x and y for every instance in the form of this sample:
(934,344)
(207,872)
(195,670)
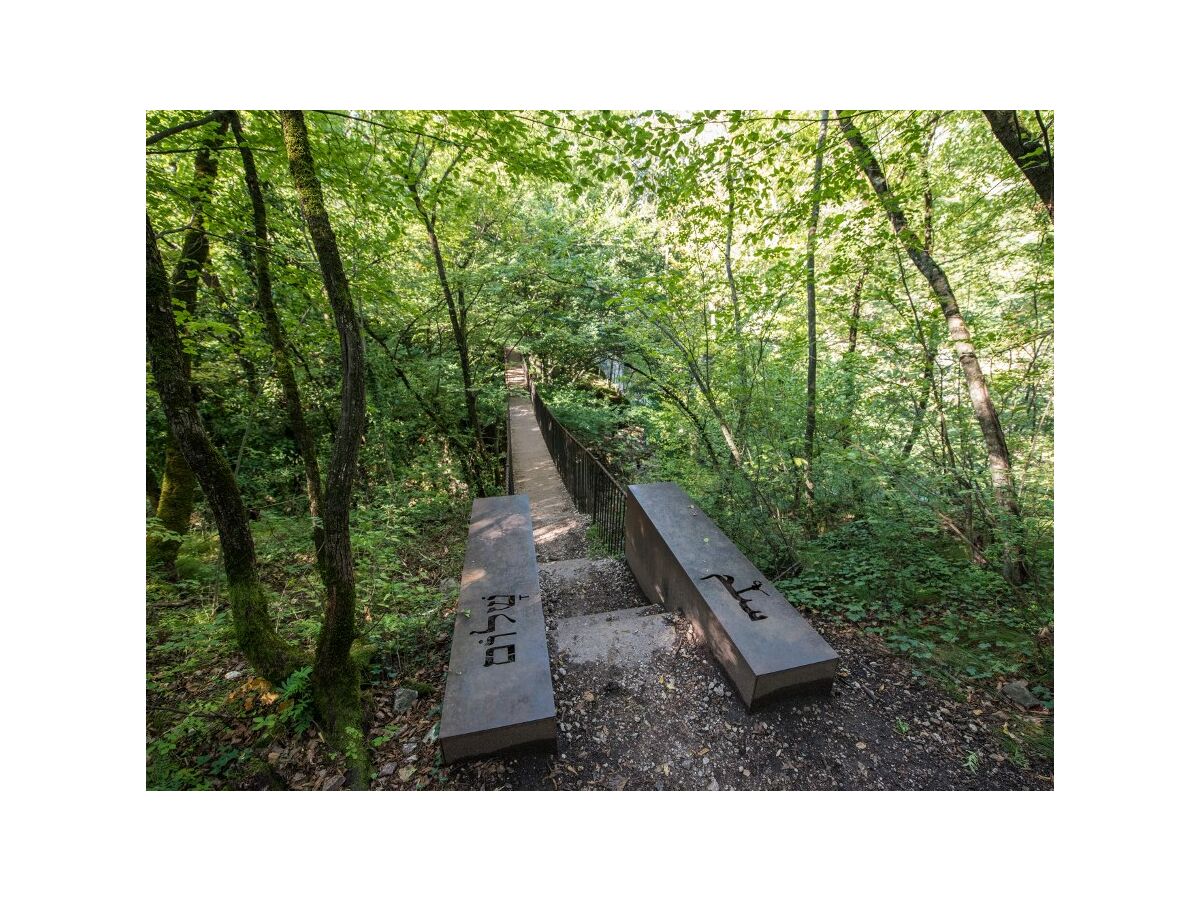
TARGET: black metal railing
(592,487)
(507,358)
(508,457)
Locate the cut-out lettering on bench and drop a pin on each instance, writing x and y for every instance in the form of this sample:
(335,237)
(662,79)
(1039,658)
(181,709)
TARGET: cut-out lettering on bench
(499,693)
(494,603)
(728,582)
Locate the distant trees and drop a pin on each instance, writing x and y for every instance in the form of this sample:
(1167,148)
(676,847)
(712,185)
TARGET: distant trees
(843,407)
(999,461)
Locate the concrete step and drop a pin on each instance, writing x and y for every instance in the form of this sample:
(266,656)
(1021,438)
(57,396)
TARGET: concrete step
(625,638)
(576,587)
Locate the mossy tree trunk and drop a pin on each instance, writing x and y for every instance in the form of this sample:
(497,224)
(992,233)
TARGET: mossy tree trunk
(301,433)
(335,676)
(270,655)
(177,497)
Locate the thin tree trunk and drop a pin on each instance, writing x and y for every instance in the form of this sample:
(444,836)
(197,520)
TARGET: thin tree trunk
(459,328)
(927,350)
(810,279)
(301,434)
(851,350)
(743,405)
(335,677)
(855,313)
(460,450)
(177,498)
(270,655)
(999,462)
(1032,155)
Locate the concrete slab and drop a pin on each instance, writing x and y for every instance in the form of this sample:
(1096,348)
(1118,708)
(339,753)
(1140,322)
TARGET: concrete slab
(499,694)
(623,638)
(580,587)
(684,561)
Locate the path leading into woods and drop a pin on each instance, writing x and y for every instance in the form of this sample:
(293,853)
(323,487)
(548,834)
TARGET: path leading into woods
(643,705)
(558,529)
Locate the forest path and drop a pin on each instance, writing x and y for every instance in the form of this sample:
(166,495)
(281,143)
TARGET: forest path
(644,705)
(558,529)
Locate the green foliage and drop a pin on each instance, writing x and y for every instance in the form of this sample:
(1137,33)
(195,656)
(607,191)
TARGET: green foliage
(673,243)
(971,762)
(293,711)
(958,619)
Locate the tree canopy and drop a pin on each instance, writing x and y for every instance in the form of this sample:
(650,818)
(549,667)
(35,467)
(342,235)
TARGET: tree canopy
(834,328)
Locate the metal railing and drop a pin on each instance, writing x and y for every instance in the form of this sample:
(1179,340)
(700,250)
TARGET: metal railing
(508,457)
(506,359)
(592,487)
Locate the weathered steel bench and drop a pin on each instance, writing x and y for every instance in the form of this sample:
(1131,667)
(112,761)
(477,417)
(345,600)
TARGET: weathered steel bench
(683,560)
(498,692)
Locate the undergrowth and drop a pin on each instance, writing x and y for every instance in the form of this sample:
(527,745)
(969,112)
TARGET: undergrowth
(207,731)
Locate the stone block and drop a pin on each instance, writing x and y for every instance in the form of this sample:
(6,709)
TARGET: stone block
(684,561)
(499,695)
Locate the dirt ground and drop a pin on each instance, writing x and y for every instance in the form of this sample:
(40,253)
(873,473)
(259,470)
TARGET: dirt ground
(643,705)
(672,722)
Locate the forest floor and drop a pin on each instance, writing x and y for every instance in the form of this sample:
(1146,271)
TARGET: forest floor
(663,716)
(642,703)
(672,722)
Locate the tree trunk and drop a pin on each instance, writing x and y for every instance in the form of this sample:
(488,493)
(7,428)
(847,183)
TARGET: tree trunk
(1031,154)
(981,401)
(174,510)
(177,498)
(335,677)
(301,434)
(743,400)
(851,350)
(458,327)
(270,655)
(927,349)
(810,279)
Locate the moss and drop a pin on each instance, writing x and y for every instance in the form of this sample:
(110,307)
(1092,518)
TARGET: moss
(270,655)
(360,654)
(175,505)
(339,708)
